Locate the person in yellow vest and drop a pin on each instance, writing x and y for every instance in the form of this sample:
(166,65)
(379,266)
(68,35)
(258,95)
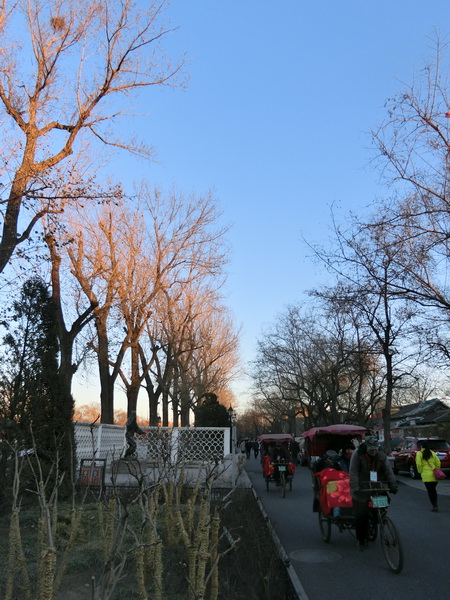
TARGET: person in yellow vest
(426,462)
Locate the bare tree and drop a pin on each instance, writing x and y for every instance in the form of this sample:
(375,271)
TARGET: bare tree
(369,268)
(216,362)
(67,334)
(124,261)
(65,67)
(91,239)
(413,144)
(304,368)
(186,248)
(197,343)
(204,345)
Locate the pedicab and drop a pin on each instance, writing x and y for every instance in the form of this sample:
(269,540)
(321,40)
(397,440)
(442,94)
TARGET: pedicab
(320,440)
(332,498)
(331,437)
(280,472)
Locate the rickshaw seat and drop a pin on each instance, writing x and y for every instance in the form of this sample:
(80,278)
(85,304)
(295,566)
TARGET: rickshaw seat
(334,490)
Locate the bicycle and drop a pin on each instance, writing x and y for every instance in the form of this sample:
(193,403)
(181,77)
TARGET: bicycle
(379,525)
(284,477)
(389,536)
(280,472)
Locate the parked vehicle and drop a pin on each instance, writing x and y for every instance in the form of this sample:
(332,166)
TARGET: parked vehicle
(404,456)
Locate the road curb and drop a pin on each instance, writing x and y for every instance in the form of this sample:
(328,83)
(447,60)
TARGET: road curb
(443,488)
(297,587)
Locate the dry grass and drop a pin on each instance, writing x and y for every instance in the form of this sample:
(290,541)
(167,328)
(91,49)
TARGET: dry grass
(250,570)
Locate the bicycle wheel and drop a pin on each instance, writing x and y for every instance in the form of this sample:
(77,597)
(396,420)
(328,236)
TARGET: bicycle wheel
(324,525)
(283,484)
(390,542)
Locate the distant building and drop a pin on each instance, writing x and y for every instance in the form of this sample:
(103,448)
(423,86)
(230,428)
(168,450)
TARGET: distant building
(428,415)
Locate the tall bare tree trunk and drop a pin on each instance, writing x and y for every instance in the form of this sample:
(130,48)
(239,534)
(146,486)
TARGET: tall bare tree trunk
(67,365)
(106,380)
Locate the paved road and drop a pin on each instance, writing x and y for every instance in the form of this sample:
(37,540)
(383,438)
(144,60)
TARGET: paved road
(337,570)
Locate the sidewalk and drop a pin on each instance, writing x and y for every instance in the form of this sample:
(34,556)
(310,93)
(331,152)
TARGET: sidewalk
(443,486)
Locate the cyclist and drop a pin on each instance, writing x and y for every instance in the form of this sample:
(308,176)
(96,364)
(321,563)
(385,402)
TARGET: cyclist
(278,453)
(367,466)
(131,428)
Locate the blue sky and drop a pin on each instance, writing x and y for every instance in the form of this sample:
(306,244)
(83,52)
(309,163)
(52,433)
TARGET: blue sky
(276,120)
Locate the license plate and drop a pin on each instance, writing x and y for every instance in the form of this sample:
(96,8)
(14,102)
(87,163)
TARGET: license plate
(380,501)
(282,468)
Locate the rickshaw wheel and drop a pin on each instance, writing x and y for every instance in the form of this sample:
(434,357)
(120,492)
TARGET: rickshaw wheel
(324,525)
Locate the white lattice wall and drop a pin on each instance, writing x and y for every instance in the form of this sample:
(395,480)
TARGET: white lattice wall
(163,444)
(99,440)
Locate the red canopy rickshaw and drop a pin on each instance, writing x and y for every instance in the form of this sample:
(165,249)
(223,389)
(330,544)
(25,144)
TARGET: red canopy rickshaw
(286,469)
(330,437)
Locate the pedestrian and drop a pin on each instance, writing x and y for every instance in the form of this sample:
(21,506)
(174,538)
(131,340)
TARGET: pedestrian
(295,449)
(426,462)
(131,429)
(256,448)
(248,448)
(368,466)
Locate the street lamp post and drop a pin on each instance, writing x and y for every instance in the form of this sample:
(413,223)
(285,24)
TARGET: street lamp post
(230,418)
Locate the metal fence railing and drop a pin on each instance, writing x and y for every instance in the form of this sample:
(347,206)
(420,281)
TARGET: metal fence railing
(176,445)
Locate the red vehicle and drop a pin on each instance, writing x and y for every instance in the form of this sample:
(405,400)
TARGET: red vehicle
(285,469)
(332,498)
(330,437)
(404,456)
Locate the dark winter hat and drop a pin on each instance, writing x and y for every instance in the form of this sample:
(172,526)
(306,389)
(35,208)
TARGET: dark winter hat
(348,446)
(371,442)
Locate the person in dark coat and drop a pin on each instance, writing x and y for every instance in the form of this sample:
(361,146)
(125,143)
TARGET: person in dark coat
(132,429)
(256,448)
(330,460)
(279,453)
(368,465)
(295,451)
(345,456)
(248,448)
